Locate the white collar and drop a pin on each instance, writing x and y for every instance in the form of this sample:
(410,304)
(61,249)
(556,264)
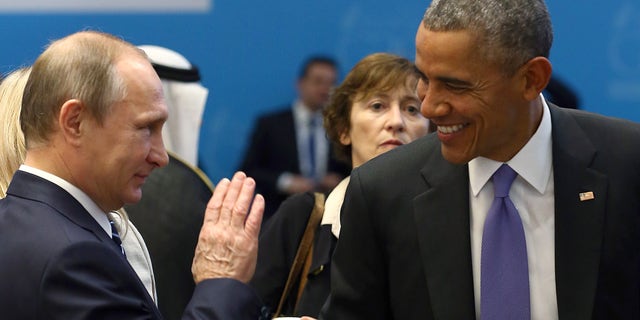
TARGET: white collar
(333,205)
(302,114)
(533,162)
(88,204)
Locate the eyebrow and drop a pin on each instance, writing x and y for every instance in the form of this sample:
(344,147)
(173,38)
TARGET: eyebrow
(422,76)
(454,81)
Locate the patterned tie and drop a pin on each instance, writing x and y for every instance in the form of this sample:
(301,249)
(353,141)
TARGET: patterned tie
(504,287)
(116,237)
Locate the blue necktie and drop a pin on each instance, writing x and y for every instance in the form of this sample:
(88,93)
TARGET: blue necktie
(116,237)
(504,287)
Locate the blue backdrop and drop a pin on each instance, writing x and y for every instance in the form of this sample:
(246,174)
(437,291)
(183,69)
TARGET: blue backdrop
(249,51)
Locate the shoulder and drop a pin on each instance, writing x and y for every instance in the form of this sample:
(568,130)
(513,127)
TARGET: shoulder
(293,212)
(284,112)
(224,299)
(592,122)
(403,162)
(605,133)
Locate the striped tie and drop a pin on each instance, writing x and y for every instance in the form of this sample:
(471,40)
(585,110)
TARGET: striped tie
(116,236)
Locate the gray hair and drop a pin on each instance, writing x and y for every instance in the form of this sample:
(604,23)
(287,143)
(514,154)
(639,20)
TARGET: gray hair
(510,32)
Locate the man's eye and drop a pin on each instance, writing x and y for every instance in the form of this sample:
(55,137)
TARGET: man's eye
(454,87)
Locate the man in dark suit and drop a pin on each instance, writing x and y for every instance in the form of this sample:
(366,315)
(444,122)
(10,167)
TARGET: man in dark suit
(280,155)
(92,116)
(418,238)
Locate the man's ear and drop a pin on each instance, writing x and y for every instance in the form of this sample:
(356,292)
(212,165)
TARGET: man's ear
(72,114)
(537,73)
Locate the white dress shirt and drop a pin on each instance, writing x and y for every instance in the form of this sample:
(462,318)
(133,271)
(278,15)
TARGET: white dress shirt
(302,119)
(532,193)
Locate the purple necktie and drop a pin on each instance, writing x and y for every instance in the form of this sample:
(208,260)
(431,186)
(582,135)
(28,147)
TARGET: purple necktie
(504,287)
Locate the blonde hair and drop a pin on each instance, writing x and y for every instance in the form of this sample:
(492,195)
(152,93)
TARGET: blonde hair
(12,146)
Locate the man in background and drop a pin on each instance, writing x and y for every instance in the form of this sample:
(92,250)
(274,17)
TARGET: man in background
(289,152)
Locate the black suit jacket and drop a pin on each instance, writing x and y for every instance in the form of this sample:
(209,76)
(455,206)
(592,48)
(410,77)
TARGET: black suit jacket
(279,242)
(272,151)
(404,249)
(56,262)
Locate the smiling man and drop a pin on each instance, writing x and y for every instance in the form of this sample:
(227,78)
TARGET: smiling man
(514,209)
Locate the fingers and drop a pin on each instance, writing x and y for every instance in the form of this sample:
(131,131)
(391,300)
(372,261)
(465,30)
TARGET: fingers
(212,213)
(231,197)
(241,206)
(254,221)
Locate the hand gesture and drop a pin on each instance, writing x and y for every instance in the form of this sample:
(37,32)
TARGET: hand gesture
(228,242)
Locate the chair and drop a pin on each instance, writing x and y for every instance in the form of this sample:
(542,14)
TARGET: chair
(169,217)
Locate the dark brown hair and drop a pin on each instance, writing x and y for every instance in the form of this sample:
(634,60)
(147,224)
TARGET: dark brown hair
(375,73)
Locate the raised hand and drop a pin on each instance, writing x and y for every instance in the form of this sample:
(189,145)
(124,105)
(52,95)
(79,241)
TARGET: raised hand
(228,242)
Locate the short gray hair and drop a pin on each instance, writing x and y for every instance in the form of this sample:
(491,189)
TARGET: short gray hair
(510,32)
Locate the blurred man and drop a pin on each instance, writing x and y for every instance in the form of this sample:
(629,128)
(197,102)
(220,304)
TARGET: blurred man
(92,115)
(289,152)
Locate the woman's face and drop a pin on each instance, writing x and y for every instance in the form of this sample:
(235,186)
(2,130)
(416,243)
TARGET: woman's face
(384,121)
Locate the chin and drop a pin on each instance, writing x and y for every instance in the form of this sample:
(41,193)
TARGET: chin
(133,197)
(454,157)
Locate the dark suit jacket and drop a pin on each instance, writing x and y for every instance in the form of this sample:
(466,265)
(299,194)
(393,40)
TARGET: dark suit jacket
(272,151)
(404,249)
(279,241)
(58,263)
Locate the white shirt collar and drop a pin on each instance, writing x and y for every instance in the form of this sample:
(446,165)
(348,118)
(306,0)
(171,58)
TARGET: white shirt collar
(88,204)
(533,162)
(333,205)
(302,114)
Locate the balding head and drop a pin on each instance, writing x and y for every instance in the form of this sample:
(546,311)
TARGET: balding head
(79,66)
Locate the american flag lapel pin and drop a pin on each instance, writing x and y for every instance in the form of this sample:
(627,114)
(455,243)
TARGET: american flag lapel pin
(584,196)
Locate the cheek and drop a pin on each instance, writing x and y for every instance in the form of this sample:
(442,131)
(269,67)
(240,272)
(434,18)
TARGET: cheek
(417,129)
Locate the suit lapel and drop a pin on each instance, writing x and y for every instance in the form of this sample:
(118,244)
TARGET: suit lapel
(578,224)
(26,185)
(442,218)
(289,133)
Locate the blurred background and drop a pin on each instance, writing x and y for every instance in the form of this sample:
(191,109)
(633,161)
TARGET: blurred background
(249,52)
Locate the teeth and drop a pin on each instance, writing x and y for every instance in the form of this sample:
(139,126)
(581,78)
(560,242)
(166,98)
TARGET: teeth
(450,129)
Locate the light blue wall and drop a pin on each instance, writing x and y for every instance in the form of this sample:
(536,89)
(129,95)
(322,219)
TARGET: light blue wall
(249,52)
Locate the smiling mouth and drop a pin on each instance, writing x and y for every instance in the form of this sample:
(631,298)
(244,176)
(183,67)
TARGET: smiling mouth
(451,129)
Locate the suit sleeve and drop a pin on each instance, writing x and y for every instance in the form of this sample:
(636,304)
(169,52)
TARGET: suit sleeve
(279,241)
(221,299)
(255,160)
(89,280)
(359,280)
